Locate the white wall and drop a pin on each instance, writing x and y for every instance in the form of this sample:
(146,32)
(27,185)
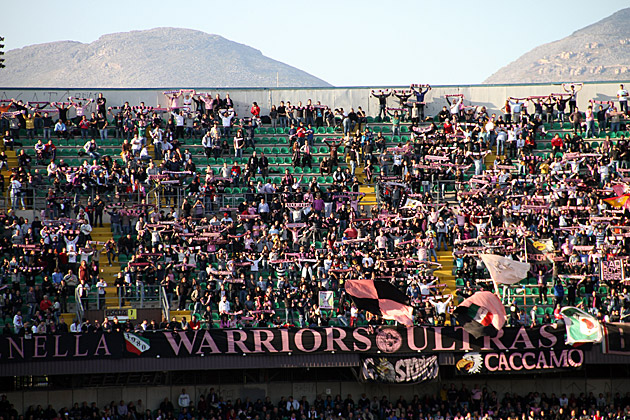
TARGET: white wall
(492,96)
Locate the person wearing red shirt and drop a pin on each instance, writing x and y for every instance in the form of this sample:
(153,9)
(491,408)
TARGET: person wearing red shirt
(350,233)
(45,304)
(556,143)
(255,110)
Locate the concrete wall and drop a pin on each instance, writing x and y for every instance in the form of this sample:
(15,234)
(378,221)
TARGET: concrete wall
(492,96)
(152,396)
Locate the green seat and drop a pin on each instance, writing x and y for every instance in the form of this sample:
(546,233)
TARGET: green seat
(274,151)
(284,151)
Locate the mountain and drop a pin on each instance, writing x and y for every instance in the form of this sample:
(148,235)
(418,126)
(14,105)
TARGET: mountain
(599,52)
(160,57)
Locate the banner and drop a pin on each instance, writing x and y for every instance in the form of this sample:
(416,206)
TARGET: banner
(399,370)
(616,339)
(272,341)
(547,360)
(612,270)
(326,299)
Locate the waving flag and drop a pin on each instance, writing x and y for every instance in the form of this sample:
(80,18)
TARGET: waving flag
(505,270)
(619,201)
(481,314)
(581,327)
(381,298)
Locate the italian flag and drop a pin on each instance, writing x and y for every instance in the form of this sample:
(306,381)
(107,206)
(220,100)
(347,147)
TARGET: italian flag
(582,327)
(136,344)
(482,314)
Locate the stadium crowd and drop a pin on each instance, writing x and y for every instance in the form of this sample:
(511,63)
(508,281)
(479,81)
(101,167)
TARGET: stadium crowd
(450,403)
(263,258)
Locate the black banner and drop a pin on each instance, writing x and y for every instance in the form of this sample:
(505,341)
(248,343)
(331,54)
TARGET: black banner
(616,339)
(546,360)
(399,370)
(363,340)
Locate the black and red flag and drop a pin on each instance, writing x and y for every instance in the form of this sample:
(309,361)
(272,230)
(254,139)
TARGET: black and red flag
(381,298)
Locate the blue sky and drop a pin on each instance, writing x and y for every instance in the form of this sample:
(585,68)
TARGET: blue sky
(346,43)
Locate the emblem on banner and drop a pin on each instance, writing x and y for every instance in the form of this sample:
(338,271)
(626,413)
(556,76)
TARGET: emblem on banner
(470,363)
(388,340)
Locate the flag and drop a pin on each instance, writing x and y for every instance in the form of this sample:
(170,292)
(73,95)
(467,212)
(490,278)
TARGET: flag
(581,327)
(410,203)
(544,245)
(326,299)
(381,298)
(136,344)
(481,314)
(619,201)
(539,251)
(619,189)
(505,270)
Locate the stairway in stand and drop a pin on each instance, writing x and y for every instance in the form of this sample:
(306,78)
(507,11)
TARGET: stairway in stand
(370,195)
(101,235)
(6,173)
(489,159)
(445,276)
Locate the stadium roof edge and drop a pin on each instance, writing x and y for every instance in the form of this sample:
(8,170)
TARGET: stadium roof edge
(311,88)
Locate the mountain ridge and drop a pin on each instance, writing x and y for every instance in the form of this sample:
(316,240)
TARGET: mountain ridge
(597,52)
(175,57)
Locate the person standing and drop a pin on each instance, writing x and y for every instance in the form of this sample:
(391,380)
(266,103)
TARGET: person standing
(101,285)
(622,95)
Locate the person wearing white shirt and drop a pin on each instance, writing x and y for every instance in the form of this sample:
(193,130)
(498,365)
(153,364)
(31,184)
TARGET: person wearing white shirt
(136,144)
(226,120)
(75,327)
(206,143)
(15,192)
(184,399)
(263,209)
(425,288)
(622,95)
(101,285)
(501,138)
(144,154)
(18,322)
(440,308)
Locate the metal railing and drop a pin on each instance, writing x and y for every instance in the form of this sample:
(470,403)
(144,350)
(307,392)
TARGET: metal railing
(165,304)
(80,310)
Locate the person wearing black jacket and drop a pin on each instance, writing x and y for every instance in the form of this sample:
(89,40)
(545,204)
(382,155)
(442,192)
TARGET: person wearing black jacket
(263,164)
(99,206)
